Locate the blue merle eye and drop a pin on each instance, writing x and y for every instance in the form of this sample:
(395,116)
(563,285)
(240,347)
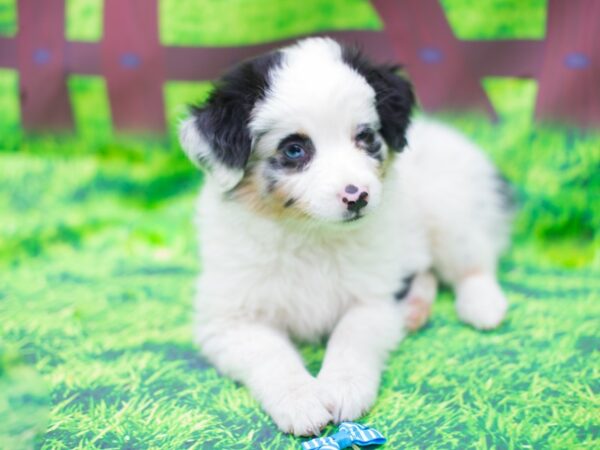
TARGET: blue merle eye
(366,136)
(294,152)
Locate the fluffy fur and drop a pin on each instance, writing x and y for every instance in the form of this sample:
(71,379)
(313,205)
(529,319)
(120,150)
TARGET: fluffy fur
(289,252)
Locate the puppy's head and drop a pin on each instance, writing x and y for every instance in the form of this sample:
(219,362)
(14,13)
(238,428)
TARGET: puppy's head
(304,132)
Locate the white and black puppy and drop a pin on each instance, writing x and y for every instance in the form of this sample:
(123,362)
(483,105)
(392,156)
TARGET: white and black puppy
(323,214)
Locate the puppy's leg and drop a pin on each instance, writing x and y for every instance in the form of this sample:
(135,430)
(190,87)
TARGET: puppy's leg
(355,356)
(419,299)
(480,301)
(467,209)
(468,263)
(264,359)
(479,298)
(467,260)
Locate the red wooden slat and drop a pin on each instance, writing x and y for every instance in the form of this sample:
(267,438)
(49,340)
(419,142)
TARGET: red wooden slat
(569,82)
(206,63)
(8,52)
(83,58)
(40,61)
(511,58)
(133,65)
(593,76)
(435,59)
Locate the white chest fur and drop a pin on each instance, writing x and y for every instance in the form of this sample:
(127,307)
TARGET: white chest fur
(304,280)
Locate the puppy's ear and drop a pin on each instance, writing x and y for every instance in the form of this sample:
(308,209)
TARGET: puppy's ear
(216,136)
(198,148)
(394,96)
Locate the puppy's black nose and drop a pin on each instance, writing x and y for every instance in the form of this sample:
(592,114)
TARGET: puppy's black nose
(355,198)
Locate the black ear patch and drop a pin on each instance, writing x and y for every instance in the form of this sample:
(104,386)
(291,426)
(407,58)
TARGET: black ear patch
(223,119)
(394,96)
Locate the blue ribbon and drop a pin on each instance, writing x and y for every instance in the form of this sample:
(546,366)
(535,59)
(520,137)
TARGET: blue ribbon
(348,434)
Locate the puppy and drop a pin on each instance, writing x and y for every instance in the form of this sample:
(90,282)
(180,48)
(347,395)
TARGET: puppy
(324,214)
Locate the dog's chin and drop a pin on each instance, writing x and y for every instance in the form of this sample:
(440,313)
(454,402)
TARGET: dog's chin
(304,217)
(342,222)
(354,217)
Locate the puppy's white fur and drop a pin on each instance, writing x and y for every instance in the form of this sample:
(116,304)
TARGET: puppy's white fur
(265,281)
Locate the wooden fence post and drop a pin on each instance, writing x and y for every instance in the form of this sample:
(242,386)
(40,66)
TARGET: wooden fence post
(41,65)
(446,71)
(133,65)
(569,82)
(434,58)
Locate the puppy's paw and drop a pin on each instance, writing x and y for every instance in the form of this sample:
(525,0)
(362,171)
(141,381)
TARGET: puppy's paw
(299,409)
(418,301)
(349,395)
(480,302)
(417,314)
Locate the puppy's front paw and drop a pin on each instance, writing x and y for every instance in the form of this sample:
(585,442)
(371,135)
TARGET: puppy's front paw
(480,302)
(299,408)
(349,395)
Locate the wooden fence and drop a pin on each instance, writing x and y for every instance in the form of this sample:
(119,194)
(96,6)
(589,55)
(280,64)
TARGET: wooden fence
(446,71)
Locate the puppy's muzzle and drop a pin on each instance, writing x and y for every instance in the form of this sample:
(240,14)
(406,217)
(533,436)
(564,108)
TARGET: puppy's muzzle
(355,198)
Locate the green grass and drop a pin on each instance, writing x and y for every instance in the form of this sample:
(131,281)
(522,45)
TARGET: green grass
(249,22)
(84,20)
(97,265)
(201,22)
(497,19)
(8,17)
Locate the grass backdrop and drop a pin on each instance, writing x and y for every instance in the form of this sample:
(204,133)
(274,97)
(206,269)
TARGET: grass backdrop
(98,259)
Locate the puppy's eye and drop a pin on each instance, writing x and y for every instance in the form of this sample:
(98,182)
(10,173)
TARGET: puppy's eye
(366,136)
(294,152)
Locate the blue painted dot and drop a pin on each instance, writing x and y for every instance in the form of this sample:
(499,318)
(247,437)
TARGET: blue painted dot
(431,55)
(41,56)
(130,60)
(577,61)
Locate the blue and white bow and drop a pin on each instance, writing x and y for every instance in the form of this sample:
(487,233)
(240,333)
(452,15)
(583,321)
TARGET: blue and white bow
(348,434)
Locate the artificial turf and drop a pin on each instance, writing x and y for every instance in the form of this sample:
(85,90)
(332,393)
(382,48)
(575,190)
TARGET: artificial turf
(98,259)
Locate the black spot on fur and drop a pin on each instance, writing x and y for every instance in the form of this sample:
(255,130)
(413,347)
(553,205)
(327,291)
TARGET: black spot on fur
(368,140)
(271,181)
(506,192)
(289,203)
(274,162)
(394,96)
(401,293)
(374,151)
(223,120)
